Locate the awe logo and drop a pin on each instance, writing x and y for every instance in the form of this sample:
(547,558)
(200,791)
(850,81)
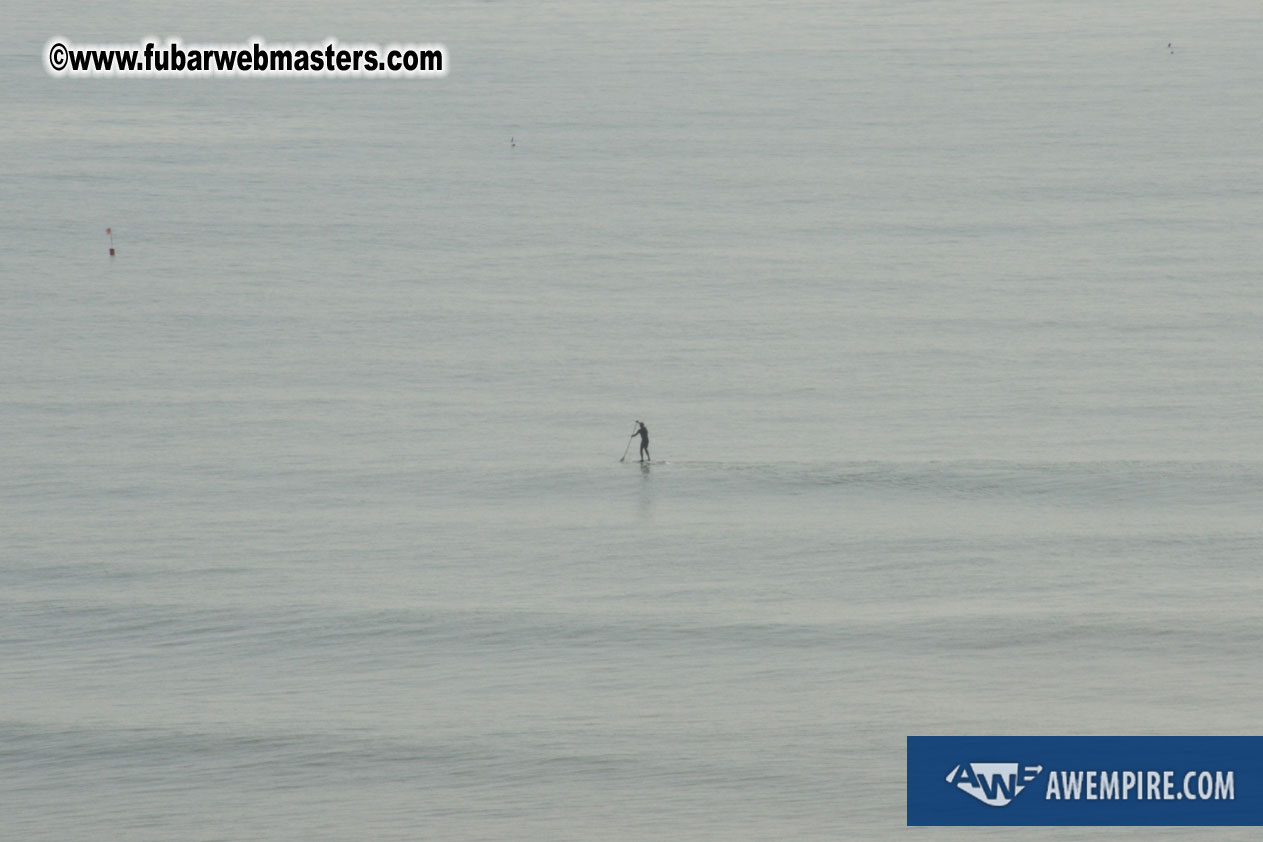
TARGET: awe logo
(995,784)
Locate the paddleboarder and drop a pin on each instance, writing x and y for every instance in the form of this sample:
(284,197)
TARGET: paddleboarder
(643,432)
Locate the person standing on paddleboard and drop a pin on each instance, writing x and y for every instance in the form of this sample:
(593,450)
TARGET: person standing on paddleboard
(643,432)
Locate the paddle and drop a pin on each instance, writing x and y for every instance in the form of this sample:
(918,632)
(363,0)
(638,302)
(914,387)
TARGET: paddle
(628,447)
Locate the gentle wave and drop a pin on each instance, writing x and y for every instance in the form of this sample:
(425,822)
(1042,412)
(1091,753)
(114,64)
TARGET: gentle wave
(1207,483)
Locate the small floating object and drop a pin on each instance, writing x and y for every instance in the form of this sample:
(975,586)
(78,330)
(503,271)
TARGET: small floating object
(110,234)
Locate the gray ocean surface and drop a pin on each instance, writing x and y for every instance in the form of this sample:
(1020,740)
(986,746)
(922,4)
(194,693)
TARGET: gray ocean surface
(946,321)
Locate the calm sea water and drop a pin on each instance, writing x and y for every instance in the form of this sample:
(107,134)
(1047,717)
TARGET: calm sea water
(945,323)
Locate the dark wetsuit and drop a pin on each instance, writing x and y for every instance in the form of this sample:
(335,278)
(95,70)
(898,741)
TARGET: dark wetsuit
(644,442)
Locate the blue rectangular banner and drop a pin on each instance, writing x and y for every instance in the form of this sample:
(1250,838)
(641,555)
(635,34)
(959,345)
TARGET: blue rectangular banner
(1082,781)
